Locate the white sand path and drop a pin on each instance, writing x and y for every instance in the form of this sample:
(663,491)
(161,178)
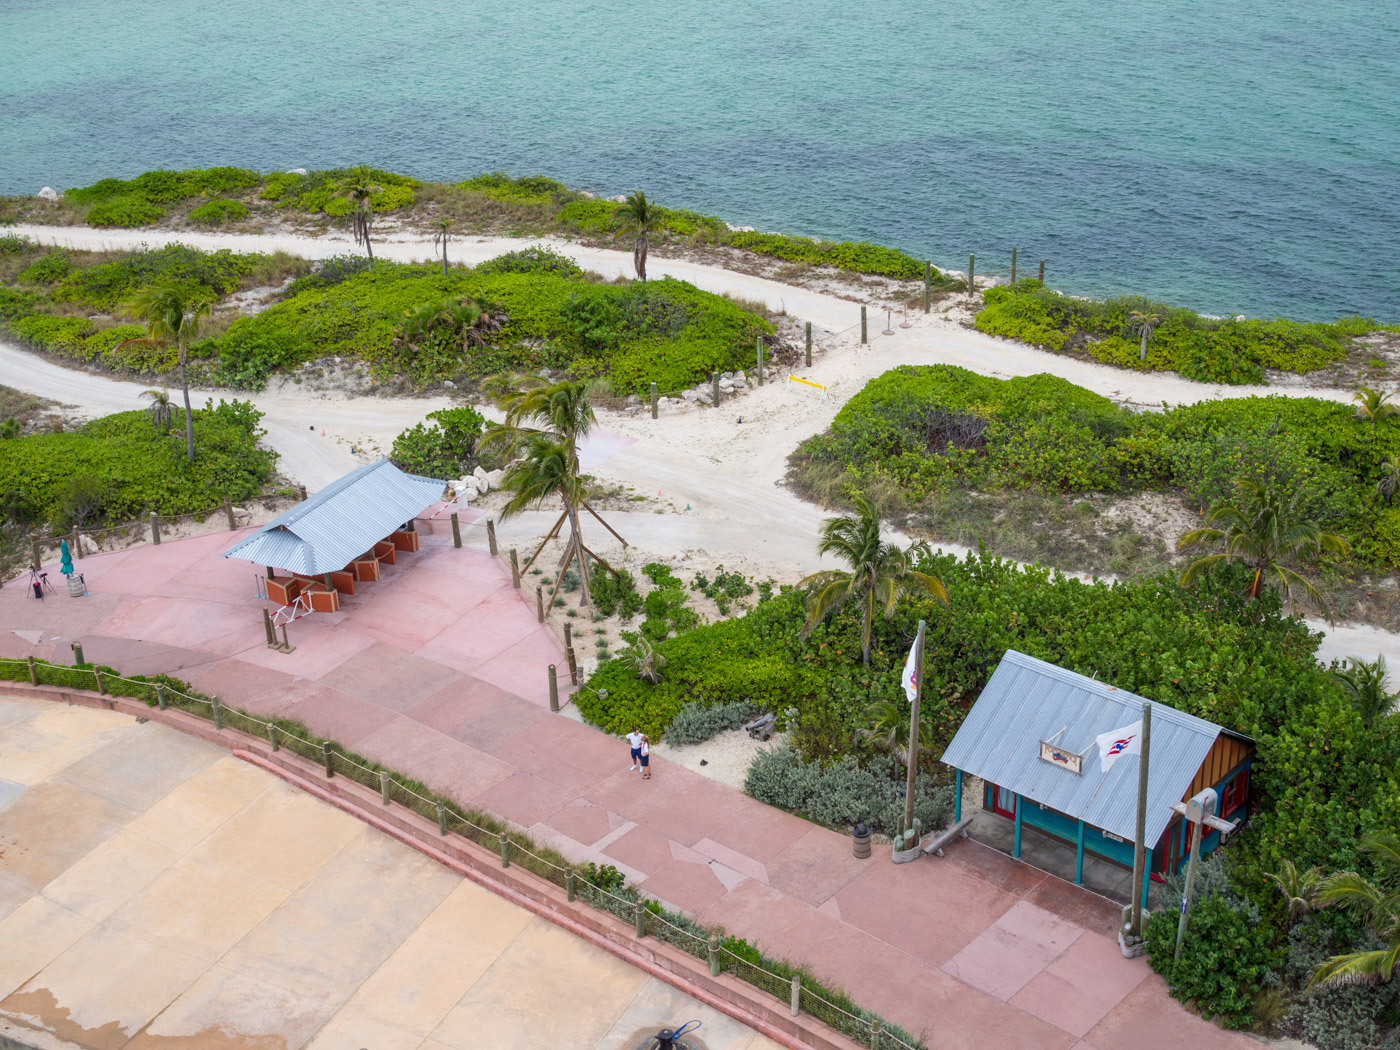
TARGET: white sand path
(728,473)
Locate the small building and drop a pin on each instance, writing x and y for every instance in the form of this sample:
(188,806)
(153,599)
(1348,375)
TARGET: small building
(1031,737)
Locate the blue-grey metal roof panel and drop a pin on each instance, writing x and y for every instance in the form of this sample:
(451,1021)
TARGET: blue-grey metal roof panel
(327,531)
(1028,700)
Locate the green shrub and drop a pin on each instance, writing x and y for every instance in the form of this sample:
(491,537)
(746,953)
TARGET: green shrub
(15,303)
(614,593)
(535,259)
(595,217)
(65,336)
(1224,964)
(444,447)
(526,189)
(106,285)
(165,187)
(319,191)
(125,212)
(1336,1017)
(695,722)
(860,257)
(48,269)
(15,244)
(218,212)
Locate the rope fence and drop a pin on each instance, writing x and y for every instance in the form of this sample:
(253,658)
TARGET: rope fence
(647,917)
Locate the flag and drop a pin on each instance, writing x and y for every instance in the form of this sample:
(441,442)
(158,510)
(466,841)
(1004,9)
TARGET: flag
(910,677)
(1117,742)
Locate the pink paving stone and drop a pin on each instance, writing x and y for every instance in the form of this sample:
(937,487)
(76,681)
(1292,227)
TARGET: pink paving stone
(133,657)
(1077,905)
(187,623)
(318,649)
(761,914)
(582,823)
(643,849)
(1002,960)
(408,629)
(523,668)
(564,740)
(902,902)
(675,802)
(494,727)
(689,887)
(458,703)
(437,760)
(814,867)
(330,713)
(523,799)
(470,644)
(759,831)
(831,907)
(389,677)
(1149,1019)
(245,685)
(733,859)
(1076,990)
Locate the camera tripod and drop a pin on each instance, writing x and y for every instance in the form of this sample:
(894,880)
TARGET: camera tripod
(39,583)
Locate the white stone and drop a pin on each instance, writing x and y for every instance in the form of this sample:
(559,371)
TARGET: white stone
(619,199)
(494,477)
(479,471)
(690,395)
(296,171)
(449,384)
(705,398)
(48,193)
(586,195)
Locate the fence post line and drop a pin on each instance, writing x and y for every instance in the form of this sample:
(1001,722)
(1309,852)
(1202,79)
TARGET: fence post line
(101,685)
(874,1033)
(77,543)
(809,344)
(160,697)
(568,634)
(1013,265)
(714,954)
(272,736)
(653,400)
(928,280)
(33,671)
(863,339)
(286,645)
(456,530)
(155,528)
(514,569)
(77,648)
(796,995)
(384,786)
(641,920)
(758,352)
(442,819)
(570,890)
(35,561)
(505,850)
(573,665)
(268,629)
(491,536)
(1041,278)
(228,510)
(218,712)
(553,689)
(971,274)
(329,756)
(539,602)
(714,388)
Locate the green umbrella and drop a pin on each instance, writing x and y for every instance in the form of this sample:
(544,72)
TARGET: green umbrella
(65,565)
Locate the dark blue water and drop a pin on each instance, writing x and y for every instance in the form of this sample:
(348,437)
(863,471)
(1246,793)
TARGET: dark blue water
(1230,157)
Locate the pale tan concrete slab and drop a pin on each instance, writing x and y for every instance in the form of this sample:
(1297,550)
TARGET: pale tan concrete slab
(199,909)
(142,766)
(197,808)
(477,918)
(548,988)
(103,990)
(658,1005)
(348,1029)
(56,737)
(343,923)
(34,935)
(50,827)
(12,894)
(283,835)
(424,979)
(228,1010)
(17,709)
(110,875)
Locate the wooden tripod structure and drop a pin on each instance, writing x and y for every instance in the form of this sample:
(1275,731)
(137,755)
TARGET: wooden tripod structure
(572,551)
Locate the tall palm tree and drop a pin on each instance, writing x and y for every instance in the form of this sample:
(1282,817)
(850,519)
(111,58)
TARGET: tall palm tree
(1377,905)
(1373,406)
(1363,684)
(879,573)
(549,468)
(161,411)
(359,187)
(640,219)
(1144,323)
(443,235)
(173,313)
(1260,529)
(1389,483)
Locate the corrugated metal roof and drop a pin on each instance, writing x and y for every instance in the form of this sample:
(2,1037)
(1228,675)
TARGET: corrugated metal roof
(1028,700)
(341,522)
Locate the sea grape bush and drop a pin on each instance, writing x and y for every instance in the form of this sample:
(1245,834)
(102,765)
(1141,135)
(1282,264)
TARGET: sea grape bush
(858,256)
(444,446)
(219,212)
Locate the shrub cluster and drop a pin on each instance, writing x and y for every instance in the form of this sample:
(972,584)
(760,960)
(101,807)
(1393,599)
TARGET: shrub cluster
(320,191)
(697,722)
(525,189)
(442,447)
(140,201)
(857,256)
(219,212)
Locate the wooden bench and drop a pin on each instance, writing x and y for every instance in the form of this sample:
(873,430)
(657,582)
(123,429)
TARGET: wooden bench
(366,569)
(936,844)
(385,552)
(344,581)
(404,540)
(323,599)
(284,591)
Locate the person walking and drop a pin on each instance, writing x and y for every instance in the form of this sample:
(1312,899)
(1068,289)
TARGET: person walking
(645,755)
(634,743)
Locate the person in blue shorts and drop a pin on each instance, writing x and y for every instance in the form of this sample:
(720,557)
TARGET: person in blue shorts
(634,743)
(646,757)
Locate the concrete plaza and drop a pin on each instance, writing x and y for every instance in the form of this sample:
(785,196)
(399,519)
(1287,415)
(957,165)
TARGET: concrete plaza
(439,671)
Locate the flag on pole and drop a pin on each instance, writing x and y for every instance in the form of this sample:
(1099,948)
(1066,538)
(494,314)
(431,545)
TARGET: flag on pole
(910,677)
(1118,742)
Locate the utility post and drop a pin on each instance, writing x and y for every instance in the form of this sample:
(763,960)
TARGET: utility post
(1139,843)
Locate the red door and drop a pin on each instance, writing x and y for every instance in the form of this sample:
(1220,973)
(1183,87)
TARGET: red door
(1001,800)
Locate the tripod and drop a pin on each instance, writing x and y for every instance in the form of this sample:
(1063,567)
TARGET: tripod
(39,583)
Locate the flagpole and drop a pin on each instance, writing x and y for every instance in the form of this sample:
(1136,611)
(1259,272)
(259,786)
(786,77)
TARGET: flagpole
(1139,845)
(914,734)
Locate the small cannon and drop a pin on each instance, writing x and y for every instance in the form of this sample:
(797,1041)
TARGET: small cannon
(762,727)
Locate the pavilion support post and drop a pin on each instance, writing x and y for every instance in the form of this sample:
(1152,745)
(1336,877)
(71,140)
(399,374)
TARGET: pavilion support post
(1079,858)
(957,797)
(1016,846)
(1140,849)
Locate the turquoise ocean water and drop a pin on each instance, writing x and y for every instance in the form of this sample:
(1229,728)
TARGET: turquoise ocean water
(1233,157)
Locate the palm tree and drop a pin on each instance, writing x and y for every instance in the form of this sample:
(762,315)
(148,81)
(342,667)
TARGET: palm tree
(645,660)
(416,325)
(1299,888)
(161,411)
(1260,529)
(476,318)
(358,187)
(1373,406)
(444,233)
(549,468)
(1363,684)
(879,573)
(1389,483)
(173,313)
(1377,905)
(640,218)
(1145,323)
(888,730)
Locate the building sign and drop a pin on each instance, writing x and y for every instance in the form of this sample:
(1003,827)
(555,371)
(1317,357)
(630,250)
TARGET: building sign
(1058,756)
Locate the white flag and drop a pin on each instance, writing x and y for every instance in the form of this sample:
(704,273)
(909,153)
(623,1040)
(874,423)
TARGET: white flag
(910,678)
(1116,742)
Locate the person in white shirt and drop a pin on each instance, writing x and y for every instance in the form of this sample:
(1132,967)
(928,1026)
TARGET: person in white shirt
(634,742)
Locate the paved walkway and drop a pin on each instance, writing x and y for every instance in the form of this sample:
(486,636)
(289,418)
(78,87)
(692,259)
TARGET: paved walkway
(157,893)
(439,671)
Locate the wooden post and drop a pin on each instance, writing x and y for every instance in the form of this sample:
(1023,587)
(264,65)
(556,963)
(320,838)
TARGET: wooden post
(77,648)
(653,400)
(758,350)
(456,530)
(77,543)
(573,665)
(809,344)
(330,585)
(218,712)
(329,756)
(714,388)
(514,569)
(35,561)
(228,511)
(272,736)
(1190,885)
(539,603)
(155,527)
(160,698)
(301,492)
(268,629)
(442,819)
(491,536)
(1013,265)
(505,850)
(913,737)
(1041,278)
(641,919)
(714,955)
(568,634)
(33,671)
(928,280)
(384,786)
(570,890)
(101,685)
(1139,846)
(971,274)
(796,1005)
(874,1033)
(863,339)
(553,689)
(286,646)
